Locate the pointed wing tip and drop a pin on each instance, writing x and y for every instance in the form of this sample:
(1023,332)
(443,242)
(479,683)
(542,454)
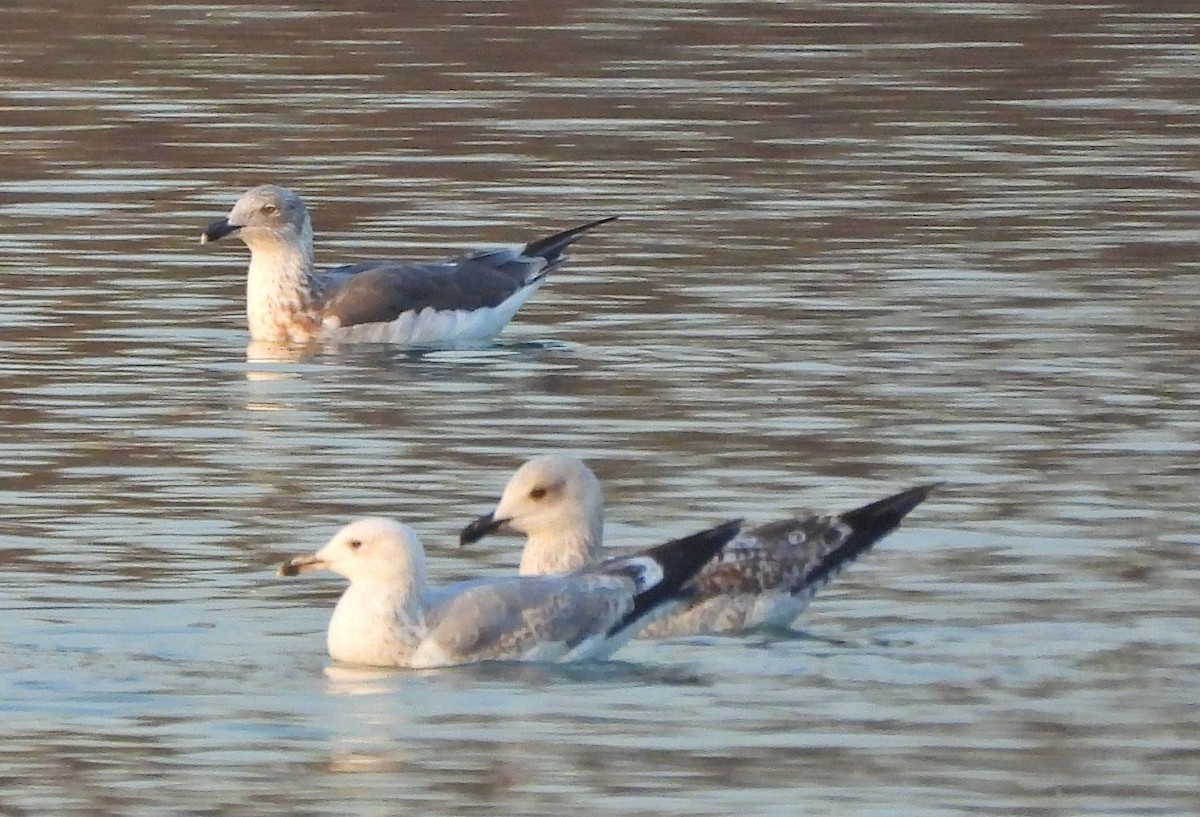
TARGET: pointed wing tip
(888,512)
(920,492)
(923,492)
(903,502)
(700,547)
(553,246)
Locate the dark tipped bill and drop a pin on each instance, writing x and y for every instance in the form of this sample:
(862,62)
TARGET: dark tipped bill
(480,528)
(301,564)
(218,229)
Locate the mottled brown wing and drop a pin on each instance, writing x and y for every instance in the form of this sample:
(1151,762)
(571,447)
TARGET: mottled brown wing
(777,556)
(800,555)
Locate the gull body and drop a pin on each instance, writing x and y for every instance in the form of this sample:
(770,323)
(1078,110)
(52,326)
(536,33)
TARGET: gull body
(389,616)
(766,576)
(463,301)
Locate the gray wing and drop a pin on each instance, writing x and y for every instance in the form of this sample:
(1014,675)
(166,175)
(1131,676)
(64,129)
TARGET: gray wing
(543,617)
(382,292)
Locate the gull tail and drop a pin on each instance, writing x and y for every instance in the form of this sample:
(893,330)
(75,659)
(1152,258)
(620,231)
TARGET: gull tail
(660,573)
(867,525)
(551,247)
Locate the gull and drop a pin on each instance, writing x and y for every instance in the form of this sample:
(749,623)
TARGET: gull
(766,576)
(389,617)
(455,302)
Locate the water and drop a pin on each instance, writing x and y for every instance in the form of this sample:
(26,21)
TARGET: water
(862,246)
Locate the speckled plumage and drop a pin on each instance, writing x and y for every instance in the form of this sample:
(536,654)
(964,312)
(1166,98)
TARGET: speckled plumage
(459,301)
(388,616)
(766,576)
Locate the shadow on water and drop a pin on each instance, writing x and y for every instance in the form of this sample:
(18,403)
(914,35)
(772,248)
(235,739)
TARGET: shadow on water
(345,680)
(420,362)
(768,637)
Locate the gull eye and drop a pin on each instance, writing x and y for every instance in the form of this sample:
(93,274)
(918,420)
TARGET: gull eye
(269,209)
(355,544)
(537,493)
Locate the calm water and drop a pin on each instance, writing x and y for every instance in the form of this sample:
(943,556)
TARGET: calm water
(863,245)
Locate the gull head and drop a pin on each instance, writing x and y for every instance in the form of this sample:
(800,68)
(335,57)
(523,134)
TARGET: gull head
(374,549)
(264,214)
(549,495)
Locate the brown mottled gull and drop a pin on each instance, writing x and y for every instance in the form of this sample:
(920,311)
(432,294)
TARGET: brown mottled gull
(388,616)
(766,576)
(462,301)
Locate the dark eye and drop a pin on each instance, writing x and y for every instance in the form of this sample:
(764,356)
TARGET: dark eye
(537,493)
(269,209)
(355,544)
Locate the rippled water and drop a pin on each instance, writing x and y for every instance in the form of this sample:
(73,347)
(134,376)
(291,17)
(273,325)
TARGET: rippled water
(862,245)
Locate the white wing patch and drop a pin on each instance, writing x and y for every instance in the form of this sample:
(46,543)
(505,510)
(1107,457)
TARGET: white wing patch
(437,327)
(650,572)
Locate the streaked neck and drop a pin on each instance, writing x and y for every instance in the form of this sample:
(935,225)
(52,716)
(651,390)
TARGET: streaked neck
(282,293)
(561,552)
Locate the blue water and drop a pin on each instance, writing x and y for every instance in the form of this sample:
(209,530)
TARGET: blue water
(862,246)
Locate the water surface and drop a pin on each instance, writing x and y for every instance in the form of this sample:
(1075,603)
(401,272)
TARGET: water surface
(862,245)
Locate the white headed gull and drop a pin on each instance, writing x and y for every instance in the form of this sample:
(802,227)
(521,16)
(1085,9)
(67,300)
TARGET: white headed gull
(389,617)
(454,302)
(766,576)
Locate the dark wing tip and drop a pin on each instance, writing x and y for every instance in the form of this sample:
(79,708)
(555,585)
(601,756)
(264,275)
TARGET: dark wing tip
(551,246)
(868,525)
(886,513)
(680,560)
(689,553)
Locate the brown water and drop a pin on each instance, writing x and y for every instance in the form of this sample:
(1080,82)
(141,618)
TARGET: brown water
(863,245)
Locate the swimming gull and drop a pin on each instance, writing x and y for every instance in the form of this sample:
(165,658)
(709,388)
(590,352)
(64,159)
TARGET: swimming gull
(764,577)
(388,616)
(455,302)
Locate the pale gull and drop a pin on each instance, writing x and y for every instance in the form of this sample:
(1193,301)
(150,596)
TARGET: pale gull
(463,301)
(766,576)
(388,616)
